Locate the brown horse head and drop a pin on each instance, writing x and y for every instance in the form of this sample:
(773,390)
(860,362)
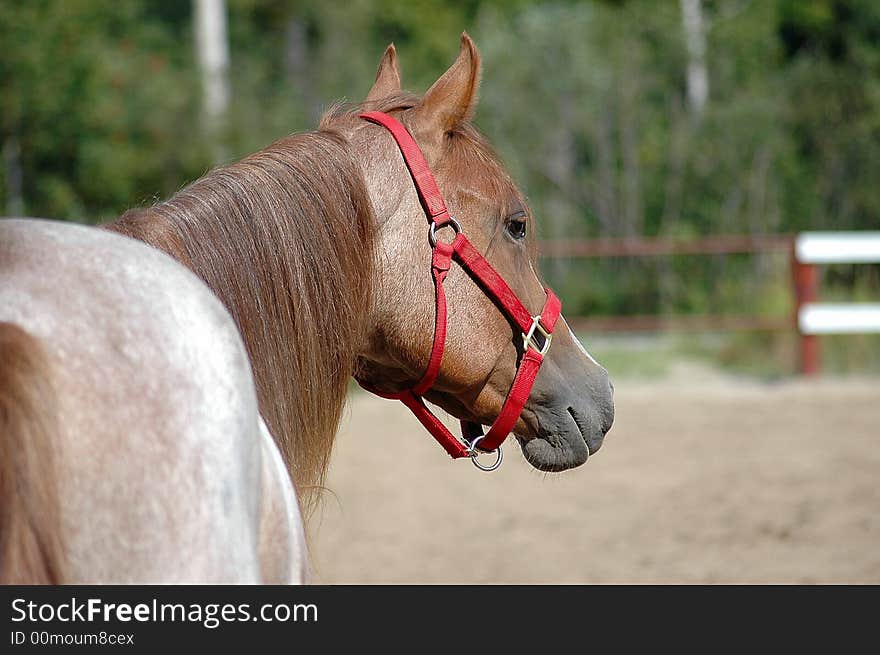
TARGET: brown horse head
(570,407)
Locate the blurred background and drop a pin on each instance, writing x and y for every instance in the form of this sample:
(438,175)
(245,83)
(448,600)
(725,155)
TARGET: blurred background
(671,151)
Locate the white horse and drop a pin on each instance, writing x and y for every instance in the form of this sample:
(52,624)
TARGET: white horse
(133,449)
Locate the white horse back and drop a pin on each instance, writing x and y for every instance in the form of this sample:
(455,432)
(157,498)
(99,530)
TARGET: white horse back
(162,464)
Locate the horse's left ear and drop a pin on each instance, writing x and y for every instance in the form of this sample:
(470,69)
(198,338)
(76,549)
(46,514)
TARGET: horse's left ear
(387,77)
(453,98)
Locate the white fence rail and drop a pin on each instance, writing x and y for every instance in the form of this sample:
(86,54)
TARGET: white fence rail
(839,318)
(816,318)
(838,247)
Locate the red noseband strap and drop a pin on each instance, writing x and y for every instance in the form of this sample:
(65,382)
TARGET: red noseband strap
(536,330)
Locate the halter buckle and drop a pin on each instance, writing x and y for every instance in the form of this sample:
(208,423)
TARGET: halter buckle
(529,339)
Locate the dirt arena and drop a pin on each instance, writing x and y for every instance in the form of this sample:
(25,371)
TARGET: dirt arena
(703,479)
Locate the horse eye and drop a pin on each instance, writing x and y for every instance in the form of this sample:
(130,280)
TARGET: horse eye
(516,227)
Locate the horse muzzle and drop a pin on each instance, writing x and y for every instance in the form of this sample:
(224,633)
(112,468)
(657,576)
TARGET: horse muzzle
(565,429)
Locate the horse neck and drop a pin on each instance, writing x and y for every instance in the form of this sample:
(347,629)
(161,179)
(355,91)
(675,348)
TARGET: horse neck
(284,238)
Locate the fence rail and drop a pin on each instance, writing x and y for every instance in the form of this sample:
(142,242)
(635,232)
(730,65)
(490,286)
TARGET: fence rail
(660,247)
(814,318)
(807,251)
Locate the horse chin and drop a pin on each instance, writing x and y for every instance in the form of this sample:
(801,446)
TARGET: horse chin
(569,445)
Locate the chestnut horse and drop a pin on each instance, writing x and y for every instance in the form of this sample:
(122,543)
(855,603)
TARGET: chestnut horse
(317,248)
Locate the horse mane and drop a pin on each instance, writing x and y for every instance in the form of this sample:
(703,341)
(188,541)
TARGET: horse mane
(284,238)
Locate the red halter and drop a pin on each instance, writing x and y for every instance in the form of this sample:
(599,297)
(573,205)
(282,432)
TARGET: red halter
(536,330)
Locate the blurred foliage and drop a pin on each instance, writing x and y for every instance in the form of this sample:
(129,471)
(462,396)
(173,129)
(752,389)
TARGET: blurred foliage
(585,101)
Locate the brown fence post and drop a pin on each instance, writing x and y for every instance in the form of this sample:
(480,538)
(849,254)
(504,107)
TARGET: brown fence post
(806,290)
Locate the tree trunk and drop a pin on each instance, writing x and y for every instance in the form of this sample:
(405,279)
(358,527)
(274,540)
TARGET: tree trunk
(296,66)
(631,192)
(559,166)
(12,172)
(212,53)
(695,38)
(606,196)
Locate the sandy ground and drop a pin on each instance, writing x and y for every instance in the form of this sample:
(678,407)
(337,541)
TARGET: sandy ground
(703,479)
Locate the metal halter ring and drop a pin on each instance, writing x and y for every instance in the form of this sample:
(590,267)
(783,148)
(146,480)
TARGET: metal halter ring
(432,234)
(472,450)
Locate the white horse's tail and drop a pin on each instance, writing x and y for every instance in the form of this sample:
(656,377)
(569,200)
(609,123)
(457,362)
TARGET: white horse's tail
(30,543)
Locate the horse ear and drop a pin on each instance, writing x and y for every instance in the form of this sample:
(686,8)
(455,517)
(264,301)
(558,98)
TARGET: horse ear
(453,98)
(387,77)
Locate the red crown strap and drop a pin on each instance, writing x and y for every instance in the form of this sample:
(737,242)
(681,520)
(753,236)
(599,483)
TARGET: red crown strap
(418,167)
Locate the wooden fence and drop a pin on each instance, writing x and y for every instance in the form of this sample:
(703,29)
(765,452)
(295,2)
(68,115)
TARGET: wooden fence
(806,251)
